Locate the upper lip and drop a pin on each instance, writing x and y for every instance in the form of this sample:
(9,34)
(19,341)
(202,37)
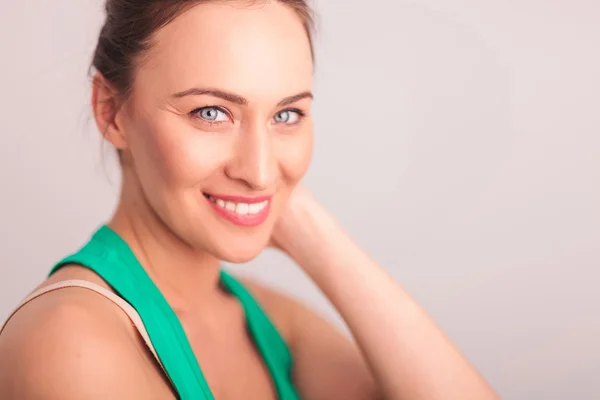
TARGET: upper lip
(240,199)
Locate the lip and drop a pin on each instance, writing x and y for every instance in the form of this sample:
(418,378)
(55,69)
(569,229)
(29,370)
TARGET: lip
(238,219)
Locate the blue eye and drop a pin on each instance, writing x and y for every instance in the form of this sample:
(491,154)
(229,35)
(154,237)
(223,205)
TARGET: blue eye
(288,116)
(211,114)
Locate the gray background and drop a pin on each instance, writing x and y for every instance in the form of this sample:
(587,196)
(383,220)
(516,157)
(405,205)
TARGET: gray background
(457,141)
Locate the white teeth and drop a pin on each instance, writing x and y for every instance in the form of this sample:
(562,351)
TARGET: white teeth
(258,207)
(240,208)
(254,208)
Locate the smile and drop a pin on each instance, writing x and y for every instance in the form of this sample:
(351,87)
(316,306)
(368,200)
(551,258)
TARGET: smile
(243,211)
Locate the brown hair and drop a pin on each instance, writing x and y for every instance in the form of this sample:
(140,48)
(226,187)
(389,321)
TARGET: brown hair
(130,24)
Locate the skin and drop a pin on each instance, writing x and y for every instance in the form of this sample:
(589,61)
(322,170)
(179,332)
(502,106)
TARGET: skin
(73,344)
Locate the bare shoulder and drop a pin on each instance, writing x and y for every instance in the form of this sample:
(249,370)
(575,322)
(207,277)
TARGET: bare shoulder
(271,299)
(296,318)
(327,364)
(299,323)
(282,309)
(68,344)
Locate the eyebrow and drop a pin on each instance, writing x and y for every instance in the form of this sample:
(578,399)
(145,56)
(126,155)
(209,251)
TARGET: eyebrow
(234,98)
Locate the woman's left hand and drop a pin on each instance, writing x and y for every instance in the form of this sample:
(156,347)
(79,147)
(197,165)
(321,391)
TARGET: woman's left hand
(293,224)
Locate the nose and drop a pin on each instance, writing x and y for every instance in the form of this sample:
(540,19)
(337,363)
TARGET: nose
(253,161)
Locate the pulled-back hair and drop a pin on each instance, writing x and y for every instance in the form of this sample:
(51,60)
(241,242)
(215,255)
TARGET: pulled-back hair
(130,25)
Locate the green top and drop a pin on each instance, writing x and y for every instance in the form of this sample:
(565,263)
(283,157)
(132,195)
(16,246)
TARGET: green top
(109,256)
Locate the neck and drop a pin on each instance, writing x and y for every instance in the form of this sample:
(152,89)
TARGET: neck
(187,277)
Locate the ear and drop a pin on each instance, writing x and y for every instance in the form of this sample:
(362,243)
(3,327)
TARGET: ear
(106,107)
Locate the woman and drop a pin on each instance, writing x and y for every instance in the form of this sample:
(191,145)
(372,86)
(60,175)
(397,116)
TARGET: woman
(208,104)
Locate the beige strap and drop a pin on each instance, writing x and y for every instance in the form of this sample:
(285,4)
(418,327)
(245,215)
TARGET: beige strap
(122,304)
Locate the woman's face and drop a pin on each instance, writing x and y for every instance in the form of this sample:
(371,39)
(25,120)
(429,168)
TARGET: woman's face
(218,125)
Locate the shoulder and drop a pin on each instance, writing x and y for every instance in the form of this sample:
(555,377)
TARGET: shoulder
(269,298)
(327,363)
(289,314)
(65,344)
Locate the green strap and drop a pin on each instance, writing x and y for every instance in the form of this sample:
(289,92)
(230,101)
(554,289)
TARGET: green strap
(111,258)
(270,344)
(122,271)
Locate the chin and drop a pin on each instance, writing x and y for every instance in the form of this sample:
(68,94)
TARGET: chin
(239,253)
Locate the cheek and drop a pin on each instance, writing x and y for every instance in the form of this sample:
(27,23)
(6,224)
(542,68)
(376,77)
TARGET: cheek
(176,153)
(295,154)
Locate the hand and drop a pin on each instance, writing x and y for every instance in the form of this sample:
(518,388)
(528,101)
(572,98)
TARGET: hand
(288,227)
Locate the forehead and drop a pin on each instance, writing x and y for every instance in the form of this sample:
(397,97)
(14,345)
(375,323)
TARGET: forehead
(261,50)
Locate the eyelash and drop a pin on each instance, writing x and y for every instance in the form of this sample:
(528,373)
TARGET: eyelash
(195,112)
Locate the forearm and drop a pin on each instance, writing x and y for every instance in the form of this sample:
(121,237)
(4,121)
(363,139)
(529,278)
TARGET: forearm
(408,354)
